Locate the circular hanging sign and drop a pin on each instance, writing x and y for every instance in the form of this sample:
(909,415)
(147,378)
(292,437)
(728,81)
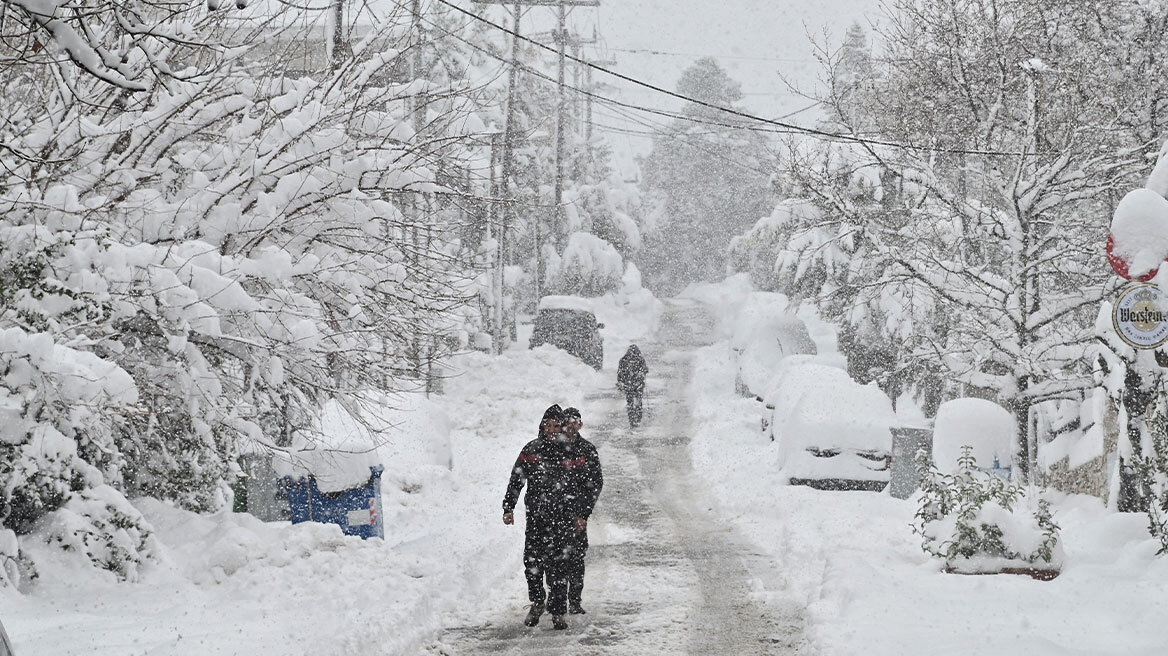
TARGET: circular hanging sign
(1119,265)
(1140,316)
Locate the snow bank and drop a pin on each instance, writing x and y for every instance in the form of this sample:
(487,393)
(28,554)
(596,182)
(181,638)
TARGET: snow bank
(983,425)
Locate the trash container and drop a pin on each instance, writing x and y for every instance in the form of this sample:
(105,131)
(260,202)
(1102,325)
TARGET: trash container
(356,510)
(904,477)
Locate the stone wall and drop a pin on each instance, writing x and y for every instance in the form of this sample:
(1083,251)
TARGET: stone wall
(1092,477)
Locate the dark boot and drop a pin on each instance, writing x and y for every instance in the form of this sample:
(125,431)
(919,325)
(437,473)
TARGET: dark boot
(533,614)
(574,608)
(558,623)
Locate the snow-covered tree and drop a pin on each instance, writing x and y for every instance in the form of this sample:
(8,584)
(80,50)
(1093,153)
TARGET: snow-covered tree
(227,249)
(707,178)
(962,226)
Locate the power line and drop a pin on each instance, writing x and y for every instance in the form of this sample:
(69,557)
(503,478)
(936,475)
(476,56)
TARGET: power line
(666,53)
(787,127)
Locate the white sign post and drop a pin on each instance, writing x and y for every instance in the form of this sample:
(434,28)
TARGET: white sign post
(1140,316)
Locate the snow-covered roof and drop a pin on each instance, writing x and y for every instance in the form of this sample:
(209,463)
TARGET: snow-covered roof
(983,425)
(566,303)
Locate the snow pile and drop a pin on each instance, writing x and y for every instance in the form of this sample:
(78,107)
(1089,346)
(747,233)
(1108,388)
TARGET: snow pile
(405,433)
(338,459)
(983,425)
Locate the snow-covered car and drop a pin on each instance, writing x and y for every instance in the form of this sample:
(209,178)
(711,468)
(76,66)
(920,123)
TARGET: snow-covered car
(765,333)
(837,434)
(793,376)
(567,323)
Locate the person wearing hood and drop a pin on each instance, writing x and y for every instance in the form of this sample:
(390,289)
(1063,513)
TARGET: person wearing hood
(587,480)
(630,379)
(550,531)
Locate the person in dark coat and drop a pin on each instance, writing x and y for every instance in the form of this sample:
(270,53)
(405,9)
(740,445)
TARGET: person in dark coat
(586,482)
(550,533)
(630,379)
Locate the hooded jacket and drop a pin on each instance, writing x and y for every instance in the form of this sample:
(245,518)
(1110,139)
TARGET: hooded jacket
(631,372)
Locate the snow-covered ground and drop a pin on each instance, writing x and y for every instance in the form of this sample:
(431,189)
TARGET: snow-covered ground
(230,584)
(869,589)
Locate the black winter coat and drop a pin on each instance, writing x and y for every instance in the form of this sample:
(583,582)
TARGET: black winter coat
(563,480)
(631,372)
(586,479)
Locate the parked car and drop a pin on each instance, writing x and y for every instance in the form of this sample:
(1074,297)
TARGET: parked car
(761,340)
(837,435)
(564,322)
(791,378)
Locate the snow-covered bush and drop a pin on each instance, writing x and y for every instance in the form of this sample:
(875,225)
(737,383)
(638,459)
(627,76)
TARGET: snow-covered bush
(589,266)
(100,524)
(977,522)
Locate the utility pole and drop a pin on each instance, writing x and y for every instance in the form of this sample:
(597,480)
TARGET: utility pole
(561,40)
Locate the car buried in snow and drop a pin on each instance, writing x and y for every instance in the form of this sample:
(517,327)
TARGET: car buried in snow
(765,334)
(567,323)
(831,432)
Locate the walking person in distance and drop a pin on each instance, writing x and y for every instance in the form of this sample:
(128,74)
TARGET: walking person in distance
(630,379)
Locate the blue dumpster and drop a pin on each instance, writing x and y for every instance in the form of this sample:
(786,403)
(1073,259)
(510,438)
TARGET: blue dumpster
(356,510)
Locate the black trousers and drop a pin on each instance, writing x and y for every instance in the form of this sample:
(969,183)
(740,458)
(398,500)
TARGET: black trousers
(633,400)
(575,569)
(548,551)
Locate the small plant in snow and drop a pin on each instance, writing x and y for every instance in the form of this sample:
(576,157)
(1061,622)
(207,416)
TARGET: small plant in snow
(977,522)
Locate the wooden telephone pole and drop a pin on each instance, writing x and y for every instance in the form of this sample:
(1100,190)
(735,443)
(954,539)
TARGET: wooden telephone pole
(508,130)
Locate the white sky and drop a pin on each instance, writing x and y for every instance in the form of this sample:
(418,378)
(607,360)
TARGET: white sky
(759,42)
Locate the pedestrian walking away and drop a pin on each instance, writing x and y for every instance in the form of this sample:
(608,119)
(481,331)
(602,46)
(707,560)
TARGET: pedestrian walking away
(630,379)
(586,480)
(550,531)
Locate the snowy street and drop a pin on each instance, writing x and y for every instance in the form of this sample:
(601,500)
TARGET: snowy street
(296,296)
(666,573)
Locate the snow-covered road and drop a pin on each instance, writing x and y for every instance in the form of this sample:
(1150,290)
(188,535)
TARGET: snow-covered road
(666,574)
